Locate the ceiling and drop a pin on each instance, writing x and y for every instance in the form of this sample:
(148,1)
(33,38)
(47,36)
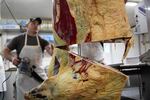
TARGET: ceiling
(24,9)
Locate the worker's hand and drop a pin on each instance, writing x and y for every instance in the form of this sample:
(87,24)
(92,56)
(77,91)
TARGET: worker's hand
(15,60)
(26,97)
(49,48)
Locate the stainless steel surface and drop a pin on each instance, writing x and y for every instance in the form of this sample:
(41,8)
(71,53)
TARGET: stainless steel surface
(147,4)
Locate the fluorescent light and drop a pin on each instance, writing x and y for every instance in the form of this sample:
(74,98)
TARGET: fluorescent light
(131,4)
(52,1)
(148,8)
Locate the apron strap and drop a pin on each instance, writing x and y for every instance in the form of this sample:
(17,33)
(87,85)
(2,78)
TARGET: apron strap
(38,41)
(25,42)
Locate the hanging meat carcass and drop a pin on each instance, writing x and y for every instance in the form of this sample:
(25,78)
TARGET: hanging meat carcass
(72,77)
(79,79)
(79,21)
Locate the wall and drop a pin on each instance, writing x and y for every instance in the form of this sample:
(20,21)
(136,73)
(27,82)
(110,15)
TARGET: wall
(0,42)
(113,52)
(0,31)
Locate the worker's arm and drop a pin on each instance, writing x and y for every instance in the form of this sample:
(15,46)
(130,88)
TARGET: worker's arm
(7,54)
(49,48)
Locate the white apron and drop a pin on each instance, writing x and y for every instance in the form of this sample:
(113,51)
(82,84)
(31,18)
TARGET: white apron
(93,51)
(24,82)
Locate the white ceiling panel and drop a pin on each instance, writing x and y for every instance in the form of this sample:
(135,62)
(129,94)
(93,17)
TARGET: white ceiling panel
(23,9)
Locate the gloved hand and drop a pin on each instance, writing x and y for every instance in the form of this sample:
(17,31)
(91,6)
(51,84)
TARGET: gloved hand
(49,48)
(26,97)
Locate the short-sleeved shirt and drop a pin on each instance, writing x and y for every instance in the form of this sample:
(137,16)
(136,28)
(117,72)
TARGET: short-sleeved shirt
(17,43)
